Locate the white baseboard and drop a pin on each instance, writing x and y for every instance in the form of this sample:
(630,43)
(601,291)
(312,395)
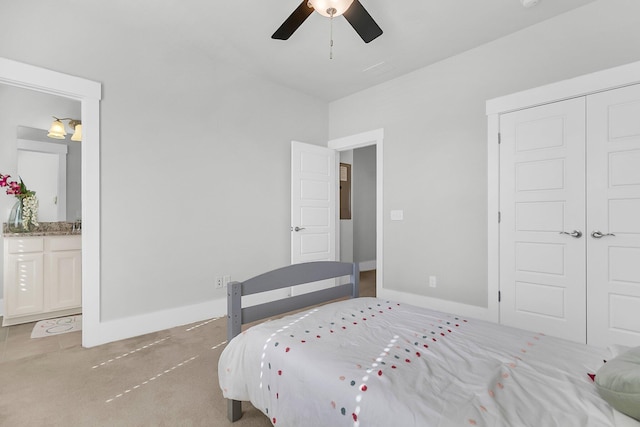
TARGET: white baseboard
(439,304)
(1,307)
(119,329)
(367,265)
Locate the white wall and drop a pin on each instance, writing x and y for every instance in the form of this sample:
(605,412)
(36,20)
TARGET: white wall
(364,204)
(435,138)
(194,154)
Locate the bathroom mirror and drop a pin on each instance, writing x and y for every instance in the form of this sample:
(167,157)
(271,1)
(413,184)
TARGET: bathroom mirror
(50,167)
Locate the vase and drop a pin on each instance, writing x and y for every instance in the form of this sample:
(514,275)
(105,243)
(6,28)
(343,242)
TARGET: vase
(16,223)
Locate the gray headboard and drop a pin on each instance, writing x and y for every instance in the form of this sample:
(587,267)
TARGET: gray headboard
(285,277)
(293,275)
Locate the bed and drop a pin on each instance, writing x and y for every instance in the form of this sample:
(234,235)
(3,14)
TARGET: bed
(373,362)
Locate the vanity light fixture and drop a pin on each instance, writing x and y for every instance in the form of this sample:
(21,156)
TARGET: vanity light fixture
(57,131)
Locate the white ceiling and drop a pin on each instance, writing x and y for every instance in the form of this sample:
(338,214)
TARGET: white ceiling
(416,33)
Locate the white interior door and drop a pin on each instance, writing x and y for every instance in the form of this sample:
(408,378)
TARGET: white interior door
(542,194)
(613,213)
(314,171)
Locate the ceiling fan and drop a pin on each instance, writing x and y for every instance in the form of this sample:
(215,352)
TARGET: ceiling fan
(352,10)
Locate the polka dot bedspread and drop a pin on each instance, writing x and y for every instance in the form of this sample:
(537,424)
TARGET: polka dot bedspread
(372,362)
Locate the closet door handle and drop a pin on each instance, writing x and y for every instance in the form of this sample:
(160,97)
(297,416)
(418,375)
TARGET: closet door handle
(599,235)
(575,233)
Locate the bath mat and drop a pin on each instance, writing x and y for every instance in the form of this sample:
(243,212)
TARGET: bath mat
(61,325)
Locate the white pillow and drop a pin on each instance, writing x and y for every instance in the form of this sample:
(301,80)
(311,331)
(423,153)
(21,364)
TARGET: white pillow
(618,382)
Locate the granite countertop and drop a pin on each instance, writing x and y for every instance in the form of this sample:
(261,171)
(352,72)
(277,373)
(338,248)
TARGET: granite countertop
(47,229)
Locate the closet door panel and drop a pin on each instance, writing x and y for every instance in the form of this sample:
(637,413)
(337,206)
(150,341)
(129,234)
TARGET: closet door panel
(542,193)
(613,214)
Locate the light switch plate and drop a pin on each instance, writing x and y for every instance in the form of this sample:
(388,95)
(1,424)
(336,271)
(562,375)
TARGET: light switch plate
(397,215)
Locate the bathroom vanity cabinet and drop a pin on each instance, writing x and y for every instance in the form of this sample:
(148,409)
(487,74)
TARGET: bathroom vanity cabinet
(42,277)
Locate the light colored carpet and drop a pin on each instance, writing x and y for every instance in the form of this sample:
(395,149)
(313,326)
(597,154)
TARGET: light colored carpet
(60,325)
(168,378)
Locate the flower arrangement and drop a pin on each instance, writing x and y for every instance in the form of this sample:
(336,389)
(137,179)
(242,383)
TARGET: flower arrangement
(26,198)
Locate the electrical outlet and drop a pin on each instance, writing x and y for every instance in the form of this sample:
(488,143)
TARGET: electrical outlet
(433,282)
(225,280)
(219,282)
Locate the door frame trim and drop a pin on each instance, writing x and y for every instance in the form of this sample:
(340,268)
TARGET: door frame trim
(351,142)
(89,93)
(613,78)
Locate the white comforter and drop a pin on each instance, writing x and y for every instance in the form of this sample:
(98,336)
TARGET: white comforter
(369,362)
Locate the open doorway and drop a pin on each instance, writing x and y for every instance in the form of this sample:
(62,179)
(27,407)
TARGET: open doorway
(88,93)
(369,255)
(358,213)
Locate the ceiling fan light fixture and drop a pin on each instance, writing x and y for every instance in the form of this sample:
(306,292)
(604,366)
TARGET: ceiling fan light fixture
(352,10)
(331,8)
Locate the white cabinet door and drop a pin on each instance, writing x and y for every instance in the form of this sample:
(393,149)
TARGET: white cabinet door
(42,278)
(64,279)
(613,210)
(542,194)
(24,284)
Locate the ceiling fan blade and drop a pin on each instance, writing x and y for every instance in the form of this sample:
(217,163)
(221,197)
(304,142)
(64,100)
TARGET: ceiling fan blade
(362,22)
(292,23)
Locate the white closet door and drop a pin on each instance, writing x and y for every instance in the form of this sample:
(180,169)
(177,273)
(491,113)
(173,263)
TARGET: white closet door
(613,210)
(542,193)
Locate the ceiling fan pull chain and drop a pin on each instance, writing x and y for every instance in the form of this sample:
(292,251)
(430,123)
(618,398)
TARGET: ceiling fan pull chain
(331,12)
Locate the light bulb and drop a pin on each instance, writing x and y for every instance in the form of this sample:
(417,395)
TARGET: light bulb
(324,6)
(56,131)
(77,133)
